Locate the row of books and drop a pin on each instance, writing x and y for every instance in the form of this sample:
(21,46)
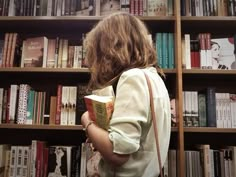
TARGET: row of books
(208,8)
(84,7)
(38,159)
(206,52)
(208,108)
(59,53)
(204,161)
(22,104)
(165,48)
(40,52)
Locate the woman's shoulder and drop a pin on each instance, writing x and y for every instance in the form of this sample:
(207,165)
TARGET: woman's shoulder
(137,72)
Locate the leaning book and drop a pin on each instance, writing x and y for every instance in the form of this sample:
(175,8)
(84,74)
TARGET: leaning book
(100,109)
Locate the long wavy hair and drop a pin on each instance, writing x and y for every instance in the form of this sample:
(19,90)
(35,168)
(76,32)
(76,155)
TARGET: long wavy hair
(117,43)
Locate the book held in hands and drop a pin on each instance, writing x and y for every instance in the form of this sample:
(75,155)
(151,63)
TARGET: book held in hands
(100,109)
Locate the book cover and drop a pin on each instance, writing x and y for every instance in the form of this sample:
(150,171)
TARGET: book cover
(100,109)
(222,50)
(82,90)
(34,52)
(57,161)
(157,8)
(109,6)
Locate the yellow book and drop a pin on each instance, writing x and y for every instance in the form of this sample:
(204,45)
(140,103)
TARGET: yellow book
(100,109)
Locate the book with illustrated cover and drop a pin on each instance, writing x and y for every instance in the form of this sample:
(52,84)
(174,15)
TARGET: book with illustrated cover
(222,50)
(157,7)
(109,6)
(34,52)
(100,109)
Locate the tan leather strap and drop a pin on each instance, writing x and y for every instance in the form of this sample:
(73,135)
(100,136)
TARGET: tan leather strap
(154,122)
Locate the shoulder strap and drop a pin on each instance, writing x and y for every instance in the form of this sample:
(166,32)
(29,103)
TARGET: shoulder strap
(154,122)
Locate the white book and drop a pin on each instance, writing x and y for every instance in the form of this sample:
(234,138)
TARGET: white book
(49,8)
(225,113)
(26,160)
(233,110)
(219,121)
(13,161)
(13,102)
(183,53)
(33,154)
(228,110)
(11,8)
(187,51)
(72,105)
(188,104)
(128,6)
(64,53)
(19,161)
(233,122)
(65,105)
(184,107)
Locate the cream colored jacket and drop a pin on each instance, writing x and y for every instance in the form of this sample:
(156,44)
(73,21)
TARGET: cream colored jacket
(131,130)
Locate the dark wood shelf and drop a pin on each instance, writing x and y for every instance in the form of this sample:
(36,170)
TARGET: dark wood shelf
(76,18)
(52,127)
(41,127)
(47,25)
(60,70)
(219,25)
(208,71)
(169,71)
(48,70)
(209,18)
(209,130)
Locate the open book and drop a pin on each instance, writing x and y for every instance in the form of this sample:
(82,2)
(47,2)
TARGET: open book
(100,109)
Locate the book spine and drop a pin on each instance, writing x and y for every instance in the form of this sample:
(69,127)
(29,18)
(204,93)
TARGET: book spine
(211,107)
(58,110)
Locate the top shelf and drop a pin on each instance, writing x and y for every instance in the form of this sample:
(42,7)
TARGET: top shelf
(26,24)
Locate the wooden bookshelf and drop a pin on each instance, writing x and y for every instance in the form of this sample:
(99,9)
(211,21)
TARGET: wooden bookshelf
(177,79)
(209,130)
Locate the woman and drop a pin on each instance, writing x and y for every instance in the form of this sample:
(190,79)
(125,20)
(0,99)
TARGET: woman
(118,54)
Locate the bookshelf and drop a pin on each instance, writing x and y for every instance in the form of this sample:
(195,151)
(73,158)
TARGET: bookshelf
(71,28)
(198,79)
(177,79)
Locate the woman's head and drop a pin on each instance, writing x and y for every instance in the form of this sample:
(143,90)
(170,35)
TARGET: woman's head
(215,50)
(117,43)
